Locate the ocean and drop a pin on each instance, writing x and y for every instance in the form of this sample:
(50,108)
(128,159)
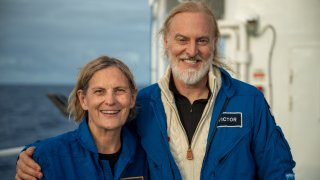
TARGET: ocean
(27,115)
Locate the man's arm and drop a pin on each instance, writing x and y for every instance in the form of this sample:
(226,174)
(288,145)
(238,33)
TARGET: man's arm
(271,149)
(26,167)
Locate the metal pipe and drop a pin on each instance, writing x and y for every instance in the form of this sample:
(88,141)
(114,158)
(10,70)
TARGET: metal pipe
(243,55)
(10,151)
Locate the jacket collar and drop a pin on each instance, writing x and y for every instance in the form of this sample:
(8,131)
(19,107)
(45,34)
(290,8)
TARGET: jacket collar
(227,83)
(224,78)
(214,82)
(86,139)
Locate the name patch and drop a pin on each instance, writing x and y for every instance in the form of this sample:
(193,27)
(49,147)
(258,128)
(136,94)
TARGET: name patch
(230,119)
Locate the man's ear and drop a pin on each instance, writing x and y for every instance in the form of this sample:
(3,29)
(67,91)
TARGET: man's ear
(82,99)
(165,42)
(215,41)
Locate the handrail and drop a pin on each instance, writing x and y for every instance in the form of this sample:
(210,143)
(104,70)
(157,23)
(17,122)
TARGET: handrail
(10,151)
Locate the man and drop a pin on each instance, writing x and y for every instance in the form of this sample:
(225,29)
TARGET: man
(198,122)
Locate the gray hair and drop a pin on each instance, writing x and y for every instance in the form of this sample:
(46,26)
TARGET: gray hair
(195,6)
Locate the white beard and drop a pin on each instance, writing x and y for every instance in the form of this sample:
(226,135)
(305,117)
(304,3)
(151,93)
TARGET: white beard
(190,76)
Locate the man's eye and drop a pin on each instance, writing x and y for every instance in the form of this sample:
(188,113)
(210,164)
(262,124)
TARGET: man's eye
(203,41)
(181,40)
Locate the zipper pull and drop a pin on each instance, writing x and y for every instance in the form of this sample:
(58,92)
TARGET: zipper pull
(189,154)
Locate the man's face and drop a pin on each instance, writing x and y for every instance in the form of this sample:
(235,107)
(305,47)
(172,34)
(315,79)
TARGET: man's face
(189,45)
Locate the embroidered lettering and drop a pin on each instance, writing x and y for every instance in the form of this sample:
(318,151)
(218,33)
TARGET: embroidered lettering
(230,119)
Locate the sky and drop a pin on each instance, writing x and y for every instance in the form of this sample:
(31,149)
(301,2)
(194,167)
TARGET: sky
(47,42)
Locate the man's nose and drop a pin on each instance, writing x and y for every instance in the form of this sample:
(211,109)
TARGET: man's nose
(192,49)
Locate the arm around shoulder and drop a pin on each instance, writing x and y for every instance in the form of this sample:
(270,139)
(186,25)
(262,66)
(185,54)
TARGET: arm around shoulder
(26,167)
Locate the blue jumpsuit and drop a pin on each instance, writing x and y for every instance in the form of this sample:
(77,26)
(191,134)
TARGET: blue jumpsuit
(74,155)
(243,143)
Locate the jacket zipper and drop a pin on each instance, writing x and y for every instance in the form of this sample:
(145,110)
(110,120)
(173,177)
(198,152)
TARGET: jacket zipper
(215,127)
(189,154)
(189,151)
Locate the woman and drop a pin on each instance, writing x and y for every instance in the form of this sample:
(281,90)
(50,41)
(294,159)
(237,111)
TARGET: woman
(102,101)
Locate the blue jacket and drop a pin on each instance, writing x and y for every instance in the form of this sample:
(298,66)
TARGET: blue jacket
(244,141)
(74,155)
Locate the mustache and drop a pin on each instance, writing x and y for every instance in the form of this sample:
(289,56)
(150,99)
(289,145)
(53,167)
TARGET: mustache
(187,57)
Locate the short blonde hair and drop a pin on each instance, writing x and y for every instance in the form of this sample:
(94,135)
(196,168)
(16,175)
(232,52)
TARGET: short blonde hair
(74,107)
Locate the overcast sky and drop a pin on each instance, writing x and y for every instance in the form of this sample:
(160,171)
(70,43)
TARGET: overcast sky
(47,41)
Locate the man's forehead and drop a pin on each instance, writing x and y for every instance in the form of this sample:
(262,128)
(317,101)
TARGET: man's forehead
(187,22)
(186,16)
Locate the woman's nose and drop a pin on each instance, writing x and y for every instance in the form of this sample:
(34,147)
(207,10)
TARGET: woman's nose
(110,98)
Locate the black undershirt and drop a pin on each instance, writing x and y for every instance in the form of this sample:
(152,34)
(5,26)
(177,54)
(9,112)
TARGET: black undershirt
(112,159)
(190,114)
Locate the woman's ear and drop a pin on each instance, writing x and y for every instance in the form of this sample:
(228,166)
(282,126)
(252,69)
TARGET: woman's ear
(133,98)
(82,99)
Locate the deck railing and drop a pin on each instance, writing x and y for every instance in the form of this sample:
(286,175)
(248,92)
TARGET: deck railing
(10,151)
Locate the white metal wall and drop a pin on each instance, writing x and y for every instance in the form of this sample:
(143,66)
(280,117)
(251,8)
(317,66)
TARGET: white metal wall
(295,71)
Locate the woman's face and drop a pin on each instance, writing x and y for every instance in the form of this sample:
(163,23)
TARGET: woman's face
(108,100)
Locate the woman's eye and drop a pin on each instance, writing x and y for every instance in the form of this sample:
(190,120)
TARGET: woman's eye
(120,90)
(98,91)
